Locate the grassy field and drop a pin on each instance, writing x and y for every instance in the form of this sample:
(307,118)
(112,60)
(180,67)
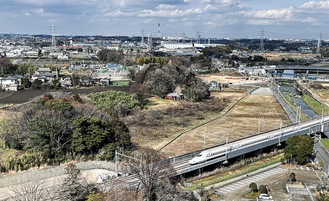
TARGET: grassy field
(315,105)
(292,104)
(325,142)
(226,175)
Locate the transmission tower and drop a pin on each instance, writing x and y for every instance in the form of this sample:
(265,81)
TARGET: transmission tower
(159,34)
(149,42)
(53,43)
(183,36)
(142,41)
(198,36)
(318,49)
(261,45)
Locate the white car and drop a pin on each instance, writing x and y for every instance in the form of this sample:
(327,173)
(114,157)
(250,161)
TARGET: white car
(265,197)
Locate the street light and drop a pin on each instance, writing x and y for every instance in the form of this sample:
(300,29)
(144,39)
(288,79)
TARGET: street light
(226,154)
(259,122)
(280,133)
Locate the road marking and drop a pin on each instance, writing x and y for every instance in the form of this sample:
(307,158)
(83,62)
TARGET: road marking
(244,183)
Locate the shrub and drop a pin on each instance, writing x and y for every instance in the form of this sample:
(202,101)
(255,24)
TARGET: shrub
(263,189)
(253,187)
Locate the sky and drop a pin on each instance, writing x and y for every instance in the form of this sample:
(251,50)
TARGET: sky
(281,19)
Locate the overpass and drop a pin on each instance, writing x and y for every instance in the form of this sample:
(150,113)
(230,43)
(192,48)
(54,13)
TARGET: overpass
(301,69)
(251,144)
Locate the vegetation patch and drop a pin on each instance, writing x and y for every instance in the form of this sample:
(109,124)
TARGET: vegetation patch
(315,105)
(291,102)
(325,143)
(53,131)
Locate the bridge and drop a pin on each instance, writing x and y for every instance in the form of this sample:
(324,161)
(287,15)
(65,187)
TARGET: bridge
(301,69)
(251,144)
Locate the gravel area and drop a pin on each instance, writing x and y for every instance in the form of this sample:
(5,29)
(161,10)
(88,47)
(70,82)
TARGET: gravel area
(265,91)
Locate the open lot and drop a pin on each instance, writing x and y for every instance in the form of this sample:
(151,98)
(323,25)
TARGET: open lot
(252,115)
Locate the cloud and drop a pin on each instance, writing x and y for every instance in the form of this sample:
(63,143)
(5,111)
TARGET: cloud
(282,14)
(315,5)
(169,13)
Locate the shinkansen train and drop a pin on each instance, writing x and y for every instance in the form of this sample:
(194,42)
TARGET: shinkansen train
(220,151)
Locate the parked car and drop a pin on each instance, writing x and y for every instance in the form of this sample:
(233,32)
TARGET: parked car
(265,197)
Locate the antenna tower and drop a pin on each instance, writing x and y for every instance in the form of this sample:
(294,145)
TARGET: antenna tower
(261,46)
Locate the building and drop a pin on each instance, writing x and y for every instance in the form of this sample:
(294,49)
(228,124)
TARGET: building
(11,83)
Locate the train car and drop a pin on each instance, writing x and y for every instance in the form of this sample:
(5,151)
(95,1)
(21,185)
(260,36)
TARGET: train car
(207,155)
(275,134)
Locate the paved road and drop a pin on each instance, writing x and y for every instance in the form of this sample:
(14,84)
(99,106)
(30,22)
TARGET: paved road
(244,183)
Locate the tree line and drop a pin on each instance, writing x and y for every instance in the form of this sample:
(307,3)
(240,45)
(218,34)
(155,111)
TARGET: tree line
(54,130)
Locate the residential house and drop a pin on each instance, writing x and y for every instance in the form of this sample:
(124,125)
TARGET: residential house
(66,82)
(175,96)
(11,83)
(213,85)
(43,74)
(86,81)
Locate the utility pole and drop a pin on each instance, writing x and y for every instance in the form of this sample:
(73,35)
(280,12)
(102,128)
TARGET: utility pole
(226,155)
(117,160)
(279,144)
(204,138)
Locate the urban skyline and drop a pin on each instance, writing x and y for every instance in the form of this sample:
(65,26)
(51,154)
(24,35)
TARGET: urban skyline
(210,18)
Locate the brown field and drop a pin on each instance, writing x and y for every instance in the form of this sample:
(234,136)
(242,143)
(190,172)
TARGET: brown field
(242,121)
(277,56)
(323,94)
(156,136)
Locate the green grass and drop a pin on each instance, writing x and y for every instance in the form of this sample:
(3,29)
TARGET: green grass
(315,105)
(325,143)
(235,173)
(291,102)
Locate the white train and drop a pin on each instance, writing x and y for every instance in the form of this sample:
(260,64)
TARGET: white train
(213,153)
(221,151)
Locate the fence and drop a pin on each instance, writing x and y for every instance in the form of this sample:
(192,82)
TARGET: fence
(284,103)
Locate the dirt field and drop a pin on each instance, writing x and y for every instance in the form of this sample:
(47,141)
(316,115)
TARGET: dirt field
(323,94)
(254,114)
(231,79)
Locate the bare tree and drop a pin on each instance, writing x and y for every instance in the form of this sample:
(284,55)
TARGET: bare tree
(153,171)
(32,188)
